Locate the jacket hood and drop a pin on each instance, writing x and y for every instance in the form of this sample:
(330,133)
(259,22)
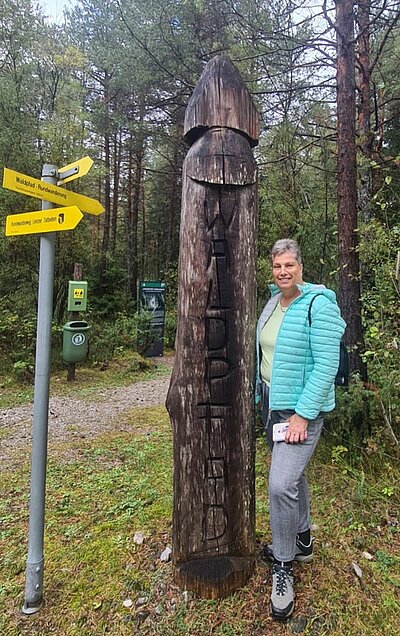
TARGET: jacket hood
(308,288)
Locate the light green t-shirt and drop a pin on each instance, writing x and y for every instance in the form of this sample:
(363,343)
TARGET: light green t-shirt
(268,337)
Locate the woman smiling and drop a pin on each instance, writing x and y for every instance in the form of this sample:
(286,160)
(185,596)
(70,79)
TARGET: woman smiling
(297,363)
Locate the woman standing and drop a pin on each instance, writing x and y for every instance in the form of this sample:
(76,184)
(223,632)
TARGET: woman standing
(298,358)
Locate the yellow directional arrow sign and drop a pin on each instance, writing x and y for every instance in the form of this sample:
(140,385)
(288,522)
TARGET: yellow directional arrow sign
(40,190)
(55,220)
(75,170)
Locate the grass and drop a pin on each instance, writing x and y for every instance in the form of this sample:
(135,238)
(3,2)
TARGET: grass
(128,367)
(111,486)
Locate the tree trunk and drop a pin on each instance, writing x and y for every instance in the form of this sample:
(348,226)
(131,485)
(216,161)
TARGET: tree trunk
(210,400)
(131,226)
(142,261)
(349,266)
(172,208)
(117,145)
(105,245)
(136,157)
(364,109)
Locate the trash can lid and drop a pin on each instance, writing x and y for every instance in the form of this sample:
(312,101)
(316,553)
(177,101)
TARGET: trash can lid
(76,324)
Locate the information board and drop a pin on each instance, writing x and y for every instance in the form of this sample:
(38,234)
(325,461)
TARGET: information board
(152,300)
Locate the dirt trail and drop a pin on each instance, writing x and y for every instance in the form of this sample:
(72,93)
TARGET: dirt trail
(71,418)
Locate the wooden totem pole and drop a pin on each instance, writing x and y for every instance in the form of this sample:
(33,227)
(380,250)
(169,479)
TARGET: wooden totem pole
(210,399)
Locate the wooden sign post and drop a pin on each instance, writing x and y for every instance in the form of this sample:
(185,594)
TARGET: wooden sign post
(210,399)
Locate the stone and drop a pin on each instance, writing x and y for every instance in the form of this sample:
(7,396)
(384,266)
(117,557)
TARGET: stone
(367,556)
(297,625)
(138,538)
(142,600)
(166,555)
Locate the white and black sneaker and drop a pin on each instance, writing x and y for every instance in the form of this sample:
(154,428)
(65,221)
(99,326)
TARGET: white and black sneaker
(282,595)
(304,553)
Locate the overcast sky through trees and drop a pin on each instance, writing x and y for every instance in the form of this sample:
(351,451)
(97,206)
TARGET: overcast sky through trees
(54,8)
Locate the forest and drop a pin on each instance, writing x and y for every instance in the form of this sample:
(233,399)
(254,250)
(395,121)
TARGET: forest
(112,82)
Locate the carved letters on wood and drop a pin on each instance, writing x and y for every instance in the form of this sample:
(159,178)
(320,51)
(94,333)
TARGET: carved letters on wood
(210,400)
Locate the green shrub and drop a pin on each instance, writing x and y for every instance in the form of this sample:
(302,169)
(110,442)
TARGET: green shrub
(381,317)
(125,332)
(170,329)
(23,371)
(17,339)
(351,403)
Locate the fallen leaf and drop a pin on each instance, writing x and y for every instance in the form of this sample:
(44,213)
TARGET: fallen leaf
(357,570)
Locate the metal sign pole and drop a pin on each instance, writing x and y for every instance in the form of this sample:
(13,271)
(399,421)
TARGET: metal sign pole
(35,562)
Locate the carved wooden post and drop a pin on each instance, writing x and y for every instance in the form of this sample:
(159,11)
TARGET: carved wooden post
(210,400)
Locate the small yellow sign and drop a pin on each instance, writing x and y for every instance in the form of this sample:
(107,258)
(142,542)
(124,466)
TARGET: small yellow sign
(79,293)
(75,170)
(55,220)
(32,187)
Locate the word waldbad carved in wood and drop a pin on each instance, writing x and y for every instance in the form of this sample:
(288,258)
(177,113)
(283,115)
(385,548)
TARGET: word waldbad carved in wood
(210,399)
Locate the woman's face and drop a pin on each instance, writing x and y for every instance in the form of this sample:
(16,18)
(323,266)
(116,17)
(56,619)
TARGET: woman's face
(287,272)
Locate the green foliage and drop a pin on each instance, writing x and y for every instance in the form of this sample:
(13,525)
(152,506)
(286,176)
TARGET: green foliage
(123,333)
(264,276)
(171,303)
(170,323)
(23,371)
(17,342)
(108,291)
(381,314)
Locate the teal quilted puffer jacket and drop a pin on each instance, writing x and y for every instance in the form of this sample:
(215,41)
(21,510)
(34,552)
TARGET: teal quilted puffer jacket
(306,359)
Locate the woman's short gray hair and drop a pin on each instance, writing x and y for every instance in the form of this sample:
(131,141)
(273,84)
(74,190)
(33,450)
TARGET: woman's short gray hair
(287,245)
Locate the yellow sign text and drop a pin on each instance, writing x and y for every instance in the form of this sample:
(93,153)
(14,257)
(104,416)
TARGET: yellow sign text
(32,187)
(55,220)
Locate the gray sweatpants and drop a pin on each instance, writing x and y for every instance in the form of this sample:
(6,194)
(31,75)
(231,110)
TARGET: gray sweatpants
(289,501)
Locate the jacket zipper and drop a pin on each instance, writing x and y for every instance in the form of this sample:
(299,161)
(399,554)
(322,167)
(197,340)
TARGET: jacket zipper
(277,336)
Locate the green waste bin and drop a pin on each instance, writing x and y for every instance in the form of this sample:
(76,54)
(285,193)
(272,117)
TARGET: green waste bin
(75,341)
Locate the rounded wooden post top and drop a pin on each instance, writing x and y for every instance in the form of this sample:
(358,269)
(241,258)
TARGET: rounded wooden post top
(221,98)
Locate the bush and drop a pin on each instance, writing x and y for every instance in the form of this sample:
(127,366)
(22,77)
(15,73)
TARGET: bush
(170,329)
(23,371)
(17,340)
(125,332)
(381,316)
(350,403)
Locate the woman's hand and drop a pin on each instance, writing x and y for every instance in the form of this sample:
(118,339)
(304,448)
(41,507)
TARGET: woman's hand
(297,431)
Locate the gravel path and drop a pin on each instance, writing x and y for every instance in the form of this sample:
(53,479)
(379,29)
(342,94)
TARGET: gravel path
(70,418)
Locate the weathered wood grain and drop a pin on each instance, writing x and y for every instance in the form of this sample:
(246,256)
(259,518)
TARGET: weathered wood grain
(210,400)
(221,98)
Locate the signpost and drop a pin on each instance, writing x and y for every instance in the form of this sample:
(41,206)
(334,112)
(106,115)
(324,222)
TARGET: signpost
(75,170)
(43,221)
(46,222)
(32,187)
